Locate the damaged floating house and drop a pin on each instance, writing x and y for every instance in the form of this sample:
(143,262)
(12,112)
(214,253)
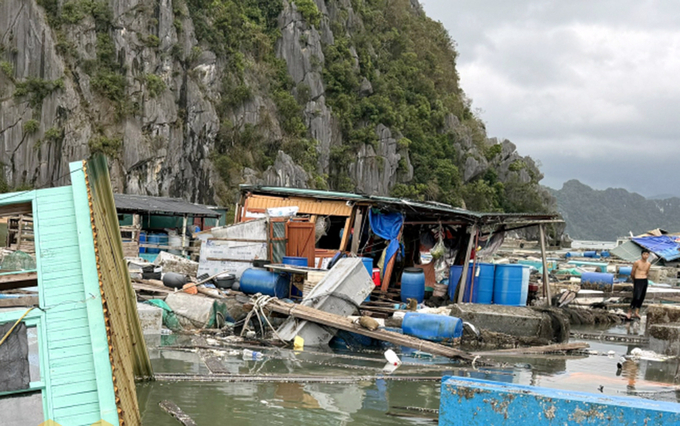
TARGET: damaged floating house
(315,228)
(70,341)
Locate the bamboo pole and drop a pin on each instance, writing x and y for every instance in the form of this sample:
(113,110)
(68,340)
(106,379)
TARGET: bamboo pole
(176,412)
(546,282)
(463,275)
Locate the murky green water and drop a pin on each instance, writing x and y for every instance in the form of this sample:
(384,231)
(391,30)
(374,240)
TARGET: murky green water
(373,402)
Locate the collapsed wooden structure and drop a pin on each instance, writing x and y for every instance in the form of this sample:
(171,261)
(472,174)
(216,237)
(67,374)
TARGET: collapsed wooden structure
(346,217)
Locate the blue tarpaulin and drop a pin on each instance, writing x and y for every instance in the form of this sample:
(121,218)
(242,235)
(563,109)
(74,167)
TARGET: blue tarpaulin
(664,246)
(387,226)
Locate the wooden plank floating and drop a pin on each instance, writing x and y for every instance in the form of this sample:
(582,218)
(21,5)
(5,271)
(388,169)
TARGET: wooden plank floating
(343,323)
(176,412)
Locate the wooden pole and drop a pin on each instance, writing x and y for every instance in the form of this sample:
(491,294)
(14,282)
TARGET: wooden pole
(546,282)
(184,235)
(343,323)
(390,266)
(464,274)
(345,234)
(356,236)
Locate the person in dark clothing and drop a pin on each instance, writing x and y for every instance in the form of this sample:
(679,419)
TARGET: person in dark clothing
(639,274)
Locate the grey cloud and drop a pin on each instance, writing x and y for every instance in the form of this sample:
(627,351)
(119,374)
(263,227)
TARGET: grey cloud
(587,88)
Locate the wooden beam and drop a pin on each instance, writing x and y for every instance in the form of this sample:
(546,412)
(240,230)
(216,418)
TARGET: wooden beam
(546,281)
(16,209)
(356,238)
(343,323)
(390,266)
(12,281)
(19,301)
(345,234)
(464,274)
(176,412)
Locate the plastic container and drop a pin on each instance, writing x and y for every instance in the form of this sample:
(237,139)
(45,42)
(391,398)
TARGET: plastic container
(376,277)
(597,278)
(174,280)
(454,277)
(262,281)
(573,254)
(160,239)
(435,328)
(625,270)
(224,281)
(482,288)
(142,240)
(413,284)
(249,355)
(605,254)
(592,254)
(294,261)
(511,285)
(175,241)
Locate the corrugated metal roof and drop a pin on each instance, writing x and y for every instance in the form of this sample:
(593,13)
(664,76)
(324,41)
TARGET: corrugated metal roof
(160,205)
(402,204)
(628,251)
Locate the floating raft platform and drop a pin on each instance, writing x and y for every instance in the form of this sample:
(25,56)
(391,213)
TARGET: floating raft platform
(473,402)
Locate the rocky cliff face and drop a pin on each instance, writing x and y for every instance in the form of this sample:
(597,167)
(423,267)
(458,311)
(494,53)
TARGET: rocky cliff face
(187,100)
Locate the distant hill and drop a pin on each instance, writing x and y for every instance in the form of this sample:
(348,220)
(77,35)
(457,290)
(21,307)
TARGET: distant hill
(662,196)
(605,215)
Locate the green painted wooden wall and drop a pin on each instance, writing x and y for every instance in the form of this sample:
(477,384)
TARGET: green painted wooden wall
(76,378)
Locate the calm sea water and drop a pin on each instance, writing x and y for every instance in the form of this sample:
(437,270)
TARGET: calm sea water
(375,402)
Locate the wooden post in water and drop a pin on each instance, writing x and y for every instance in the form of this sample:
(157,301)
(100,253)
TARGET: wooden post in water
(546,281)
(464,273)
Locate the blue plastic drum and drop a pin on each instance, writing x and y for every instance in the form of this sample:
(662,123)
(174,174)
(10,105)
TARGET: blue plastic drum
(413,284)
(511,285)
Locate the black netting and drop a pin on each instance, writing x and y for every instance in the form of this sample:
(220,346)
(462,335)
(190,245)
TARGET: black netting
(14,374)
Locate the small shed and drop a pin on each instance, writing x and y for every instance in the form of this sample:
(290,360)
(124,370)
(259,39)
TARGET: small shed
(140,214)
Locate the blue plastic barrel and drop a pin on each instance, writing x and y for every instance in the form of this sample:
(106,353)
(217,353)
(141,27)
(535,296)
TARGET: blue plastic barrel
(256,280)
(153,239)
(435,328)
(592,254)
(573,254)
(625,270)
(454,277)
(294,261)
(142,240)
(413,284)
(597,278)
(605,254)
(482,290)
(511,285)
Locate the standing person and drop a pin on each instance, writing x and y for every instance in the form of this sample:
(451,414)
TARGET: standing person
(639,275)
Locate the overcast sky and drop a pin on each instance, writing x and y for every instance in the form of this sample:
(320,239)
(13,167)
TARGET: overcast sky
(591,89)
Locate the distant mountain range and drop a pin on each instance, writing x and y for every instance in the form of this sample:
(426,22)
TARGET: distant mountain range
(606,215)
